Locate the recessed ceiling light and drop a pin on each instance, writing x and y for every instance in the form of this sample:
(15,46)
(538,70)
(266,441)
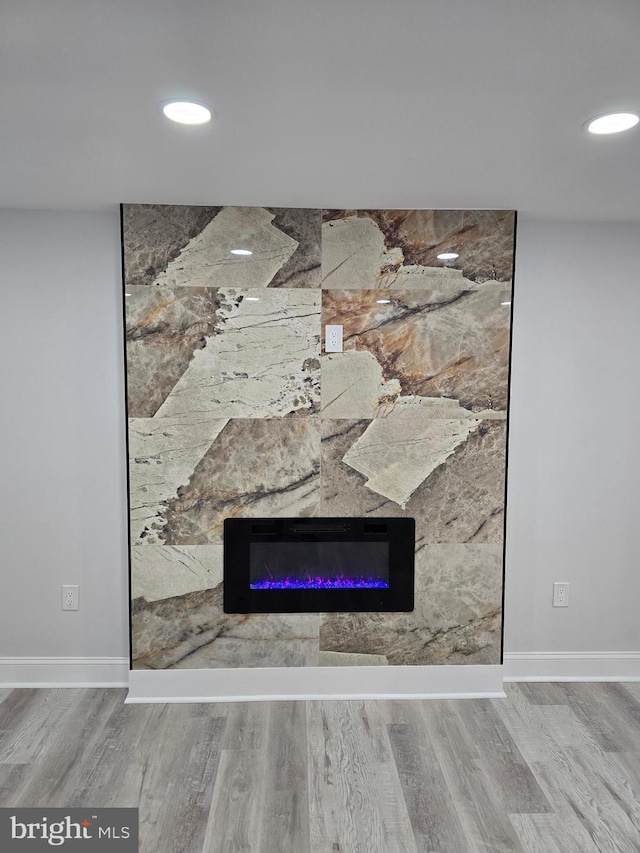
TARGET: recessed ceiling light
(448,256)
(241,252)
(612,123)
(383,301)
(186,112)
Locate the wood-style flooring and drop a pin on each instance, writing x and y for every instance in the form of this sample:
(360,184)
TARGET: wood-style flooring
(553,768)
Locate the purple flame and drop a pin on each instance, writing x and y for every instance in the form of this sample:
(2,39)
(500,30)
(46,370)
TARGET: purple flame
(320,583)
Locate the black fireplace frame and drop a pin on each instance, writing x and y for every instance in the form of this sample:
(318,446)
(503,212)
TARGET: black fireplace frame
(239,533)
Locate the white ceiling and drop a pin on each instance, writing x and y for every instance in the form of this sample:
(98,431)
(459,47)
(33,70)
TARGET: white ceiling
(328,103)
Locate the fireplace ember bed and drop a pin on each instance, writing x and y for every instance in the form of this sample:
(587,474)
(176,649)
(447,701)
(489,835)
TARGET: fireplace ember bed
(313,565)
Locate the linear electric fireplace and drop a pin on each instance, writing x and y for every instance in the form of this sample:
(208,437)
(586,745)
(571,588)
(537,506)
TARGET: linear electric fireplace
(311,565)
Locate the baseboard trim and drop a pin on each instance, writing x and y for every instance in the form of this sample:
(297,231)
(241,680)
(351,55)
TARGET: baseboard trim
(64,672)
(572,666)
(330,682)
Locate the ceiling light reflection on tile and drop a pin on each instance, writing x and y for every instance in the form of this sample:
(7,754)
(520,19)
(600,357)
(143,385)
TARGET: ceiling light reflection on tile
(505,303)
(241,252)
(186,112)
(448,256)
(612,123)
(383,301)
(252,299)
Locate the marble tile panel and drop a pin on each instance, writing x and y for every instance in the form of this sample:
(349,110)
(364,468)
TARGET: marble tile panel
(255,468)
(350,659)
(353,386)
(223,653)
(457,615)
(166,571)
(398,452)
(154,234)
(462,500)
(407,243)
(447,341)
(207,259)
(163,455)
(192,631)
(164,330)
(262,360)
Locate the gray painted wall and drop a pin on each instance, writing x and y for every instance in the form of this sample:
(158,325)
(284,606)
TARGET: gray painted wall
(572,465)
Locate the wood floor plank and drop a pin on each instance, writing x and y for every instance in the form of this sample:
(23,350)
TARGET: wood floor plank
(236,813)
(246,725)
(285,819)
(586,824)
(56,770)
(351,808)
(432,811)
(593,705)
(502,760)
(537,833)
(176,792)
(485,821)
(34,727)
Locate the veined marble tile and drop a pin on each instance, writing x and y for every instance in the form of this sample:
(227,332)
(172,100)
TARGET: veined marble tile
(457,615)
(262,360)
(447,341)
(255,468)
(165,571)
(351,659)
(163,455)
(192,631)
(460,501)
(398,452)
(154,234)
(353,385)
(207,259)
(366,249)
(165,327)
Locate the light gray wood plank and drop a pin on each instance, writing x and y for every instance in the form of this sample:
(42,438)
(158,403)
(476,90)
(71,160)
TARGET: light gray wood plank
(176,791)
(485,822)
(501,759)
(246,725)
(57,769)
(586,823)
(236,813)
(430,806)
(352,807)
(593,706)
(285,818)
(35,726)
(537,833)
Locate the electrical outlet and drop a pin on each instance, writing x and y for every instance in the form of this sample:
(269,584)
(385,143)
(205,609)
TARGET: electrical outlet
(561,595)
(70,597)
(333,338)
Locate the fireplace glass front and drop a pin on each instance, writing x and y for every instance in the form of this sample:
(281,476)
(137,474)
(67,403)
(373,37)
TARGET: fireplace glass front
(315,565)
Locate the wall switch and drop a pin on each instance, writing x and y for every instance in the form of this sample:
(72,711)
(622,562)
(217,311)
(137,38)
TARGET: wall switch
(561,595)
(333,338)
(70,597)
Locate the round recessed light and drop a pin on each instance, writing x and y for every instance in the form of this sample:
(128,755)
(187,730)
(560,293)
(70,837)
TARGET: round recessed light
(448,256)
(383,301)
(186,112)
(612,123)
(241,252)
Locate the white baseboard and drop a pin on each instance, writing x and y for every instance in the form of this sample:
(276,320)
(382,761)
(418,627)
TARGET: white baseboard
(572,666)
(64,672)
(324,682)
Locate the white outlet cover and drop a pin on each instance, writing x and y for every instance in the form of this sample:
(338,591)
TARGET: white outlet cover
(333,338)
